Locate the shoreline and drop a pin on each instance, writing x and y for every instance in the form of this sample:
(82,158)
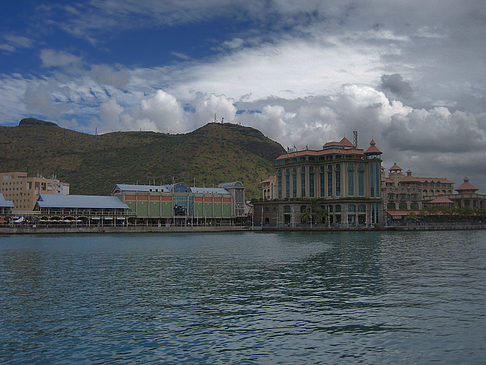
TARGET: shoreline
(212,229)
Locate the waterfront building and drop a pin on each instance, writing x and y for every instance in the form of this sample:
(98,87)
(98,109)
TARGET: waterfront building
(5,207)
(82,209)
(406,194)
(24,190)
(468,197)
(339,184)
(181,204)
(269,188)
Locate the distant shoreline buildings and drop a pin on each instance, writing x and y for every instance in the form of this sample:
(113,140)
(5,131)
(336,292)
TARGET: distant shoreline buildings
(24,190)
(340,185)
(343,185)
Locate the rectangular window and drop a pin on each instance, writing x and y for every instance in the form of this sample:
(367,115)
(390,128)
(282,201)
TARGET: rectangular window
(350,179)
(287,183)
(279,184)
(311,181)
(377,180)
(302,181)
(294,182)
(360,180)
(372,180)
(322,182)
(329,180)
(338,180)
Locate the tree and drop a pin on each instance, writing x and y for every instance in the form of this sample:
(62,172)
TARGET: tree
(412,217)
(319,213)
(306,216)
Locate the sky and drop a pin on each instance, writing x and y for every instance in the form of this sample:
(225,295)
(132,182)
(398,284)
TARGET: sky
(410,74)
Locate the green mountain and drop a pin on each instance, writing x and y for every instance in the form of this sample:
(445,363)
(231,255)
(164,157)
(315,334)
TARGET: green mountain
(93,164)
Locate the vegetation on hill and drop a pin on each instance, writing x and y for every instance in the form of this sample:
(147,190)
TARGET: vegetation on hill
(93,164)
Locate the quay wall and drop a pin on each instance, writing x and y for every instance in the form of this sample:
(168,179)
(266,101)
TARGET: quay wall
(138,229)
(27,229)
(431,227)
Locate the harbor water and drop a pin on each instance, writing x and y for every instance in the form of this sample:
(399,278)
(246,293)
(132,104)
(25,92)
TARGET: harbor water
(252,298)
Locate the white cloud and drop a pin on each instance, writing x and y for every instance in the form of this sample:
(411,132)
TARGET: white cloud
(164,112)
(107,75)
(55,58)
(110,114)
(291,68)
(207,107)
(14,42)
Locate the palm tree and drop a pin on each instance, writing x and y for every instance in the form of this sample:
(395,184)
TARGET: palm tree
(306,215)
(319,214)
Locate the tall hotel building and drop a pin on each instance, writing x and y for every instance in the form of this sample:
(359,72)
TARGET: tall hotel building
(341,179)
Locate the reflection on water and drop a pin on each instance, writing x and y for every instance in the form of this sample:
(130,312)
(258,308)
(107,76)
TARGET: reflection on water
(354,297)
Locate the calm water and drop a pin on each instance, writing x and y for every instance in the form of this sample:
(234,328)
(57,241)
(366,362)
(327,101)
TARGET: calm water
(244,298)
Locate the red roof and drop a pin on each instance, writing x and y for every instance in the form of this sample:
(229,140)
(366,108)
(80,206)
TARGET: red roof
(330,151)
(372,149)
(467,186)
(266,181)
(395,167)
(342,143)
(346,142)
(416,179)
(441,200)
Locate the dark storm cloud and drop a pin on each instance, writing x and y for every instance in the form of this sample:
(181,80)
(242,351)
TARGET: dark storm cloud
(396,85)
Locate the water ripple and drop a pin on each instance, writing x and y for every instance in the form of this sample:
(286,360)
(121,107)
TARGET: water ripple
(369,298)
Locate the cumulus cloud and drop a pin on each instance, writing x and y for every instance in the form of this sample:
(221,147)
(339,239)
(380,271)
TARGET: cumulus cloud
(164,112)
(209,107)
(110,114)
(413,80)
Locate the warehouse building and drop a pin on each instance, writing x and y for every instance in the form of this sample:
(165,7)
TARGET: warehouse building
(82,210)
(180,204)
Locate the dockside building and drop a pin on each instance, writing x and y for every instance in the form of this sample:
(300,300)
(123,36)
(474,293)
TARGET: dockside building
(340,180)
(180,204)
(89,210)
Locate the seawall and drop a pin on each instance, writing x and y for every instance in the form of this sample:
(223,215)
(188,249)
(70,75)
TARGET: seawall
(138,229)
(27,229)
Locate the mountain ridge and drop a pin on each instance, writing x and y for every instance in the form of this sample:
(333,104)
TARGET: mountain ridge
(93,164)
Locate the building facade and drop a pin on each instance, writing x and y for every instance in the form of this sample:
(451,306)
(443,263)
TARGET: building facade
(341,181)
(404,194)
(269,187)
(89,210)
(468,197)
(181,204)
(24,190)
(5,207)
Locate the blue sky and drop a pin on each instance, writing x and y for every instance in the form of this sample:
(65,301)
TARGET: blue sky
(411,74)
